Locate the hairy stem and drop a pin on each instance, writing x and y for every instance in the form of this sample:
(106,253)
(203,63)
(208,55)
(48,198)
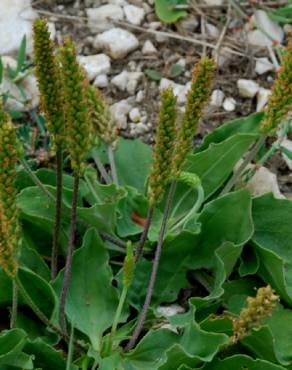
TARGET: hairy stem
(155,266)
(250,156)
(14,306)
(140,246)
(112,162)
(58,213)
(70,248)
(101,168)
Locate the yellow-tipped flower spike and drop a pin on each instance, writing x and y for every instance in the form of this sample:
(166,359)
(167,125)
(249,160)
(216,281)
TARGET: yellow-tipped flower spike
(9,224)
(129,266)
(197,98)
(78,125)
(280,101)
(102,120)
(49,81)
(258,308)
(163,151)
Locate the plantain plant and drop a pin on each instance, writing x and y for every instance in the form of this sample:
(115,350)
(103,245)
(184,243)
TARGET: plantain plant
(123,257)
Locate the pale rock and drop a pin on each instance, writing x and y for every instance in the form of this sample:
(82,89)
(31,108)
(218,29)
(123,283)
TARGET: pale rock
(140,96)
(212,30)
(229,104)
(214,2)
(189,24)
(170,310)
(182,62)
(16,18)
(247,88)
(8,61)
(148,48)
(100,19)
(271,30)
(217,98)
(52,30)
(140,128)
(223,58)
(287,144)
(135,115)
(118,2)
(127,81)
(117,42)
(264,181)
(154,25)
(179,90)
(134,14)
(160,38)
(120,111)
(95,65)
(262,98)
(263,65)
(101,81)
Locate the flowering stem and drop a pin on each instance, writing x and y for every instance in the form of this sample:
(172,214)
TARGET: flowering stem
(111,158)
(155,266)
(101,168)
(118,315)
(14,306)
(140,246)
(70,248)
(58,213)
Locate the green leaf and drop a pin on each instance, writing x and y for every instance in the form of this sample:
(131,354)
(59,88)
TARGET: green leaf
(249,262)
(92,300)
(153,74)
(32,260)
(216,163)
(167,12)
(287,152)
(240,362)
(133,161)
(176,70)
(21,55)
(281,15)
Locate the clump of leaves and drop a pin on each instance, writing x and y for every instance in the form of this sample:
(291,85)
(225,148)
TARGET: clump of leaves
(203,250)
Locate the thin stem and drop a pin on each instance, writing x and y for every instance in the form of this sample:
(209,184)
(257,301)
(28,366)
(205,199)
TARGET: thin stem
(70,248)
(113,240)
(140,246)
(14,305)
(250,156)
(91,187)
(36,180)
(155,266)
(70,349)
(118,315)
(58,213)
(112,162)
(101,168)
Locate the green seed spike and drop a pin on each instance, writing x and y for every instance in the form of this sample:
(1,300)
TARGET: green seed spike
(280,101)
(163,153)
(102,120)
(49,81)
(9,225)
(129,266)
(196,100)
(78,126)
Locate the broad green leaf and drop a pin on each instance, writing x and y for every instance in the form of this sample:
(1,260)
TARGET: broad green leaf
(176,70)
(101,216)
(246,125)
(249,264)
(167,12)
(31,259)
(215,164)
(240,362)
(153,74)
(92,300)
(133,160)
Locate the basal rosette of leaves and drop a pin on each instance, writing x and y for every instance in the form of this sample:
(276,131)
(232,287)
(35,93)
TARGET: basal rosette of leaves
(218,250)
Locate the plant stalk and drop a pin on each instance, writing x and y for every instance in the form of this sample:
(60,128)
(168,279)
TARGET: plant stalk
(112,162)
(140,246)
(70,248)
(101,169)
(154,271)
(118,315)
(58,213)
(14,305)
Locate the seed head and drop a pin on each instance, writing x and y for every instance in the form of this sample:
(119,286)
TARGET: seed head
(49,81)
(197,98)
(163,152)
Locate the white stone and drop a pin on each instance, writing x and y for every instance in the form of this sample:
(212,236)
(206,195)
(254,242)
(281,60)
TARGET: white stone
(190,24)
(140,96)
(179,90)
(212,30)
(217,98)
(148,48)
(141,128)
(287,144)
(101,81)
(100,19)
(264,181)
(127,81)
(154,25)
(182,62)
(263,65)
(170,310)
(117,42)
(229,104)
(95,65)
(271,31)
(16,18)
(134,14)
(135,115)
(214,2)
(120,111)
(247,88)
(52,30)
(262,98)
